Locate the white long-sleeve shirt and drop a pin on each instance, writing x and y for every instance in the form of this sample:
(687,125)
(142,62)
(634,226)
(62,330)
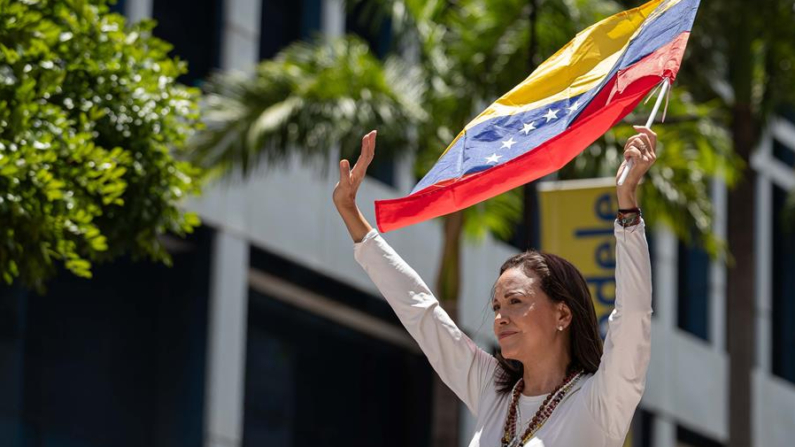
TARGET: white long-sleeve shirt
(597,410)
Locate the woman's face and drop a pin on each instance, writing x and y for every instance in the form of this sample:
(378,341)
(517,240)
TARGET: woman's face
(525,318)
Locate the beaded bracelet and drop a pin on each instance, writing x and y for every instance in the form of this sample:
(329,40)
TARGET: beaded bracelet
(628,217)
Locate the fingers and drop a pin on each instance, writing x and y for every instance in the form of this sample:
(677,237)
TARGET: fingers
(642,141)
(366,156)
(648,136)
(641,147)
(632,153)
(345,191)
(645,145)
(645,130)
(345,172)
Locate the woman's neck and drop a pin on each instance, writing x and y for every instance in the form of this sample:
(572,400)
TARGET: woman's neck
(542,377)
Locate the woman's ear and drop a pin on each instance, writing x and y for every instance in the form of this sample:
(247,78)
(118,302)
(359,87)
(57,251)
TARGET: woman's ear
(564,315)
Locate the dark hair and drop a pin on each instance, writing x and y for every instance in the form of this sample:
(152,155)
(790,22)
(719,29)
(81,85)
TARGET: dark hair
(562,282)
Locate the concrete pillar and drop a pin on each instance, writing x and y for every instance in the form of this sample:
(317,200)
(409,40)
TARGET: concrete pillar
(663,433)
(226,344)
(240,44)
(333,18)
(717,289)
(665,277)
(764,257)
(137,10)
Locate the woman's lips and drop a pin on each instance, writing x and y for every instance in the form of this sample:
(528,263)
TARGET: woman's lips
(506,334)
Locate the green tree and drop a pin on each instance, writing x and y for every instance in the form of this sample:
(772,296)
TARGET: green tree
(89,116)
(456,58)
(746,65)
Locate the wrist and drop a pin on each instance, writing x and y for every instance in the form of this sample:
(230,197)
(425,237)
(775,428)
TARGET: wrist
(346,206)
(626,199)
(628,217)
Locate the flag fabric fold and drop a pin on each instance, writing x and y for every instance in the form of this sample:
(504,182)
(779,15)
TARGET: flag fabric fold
(568,102)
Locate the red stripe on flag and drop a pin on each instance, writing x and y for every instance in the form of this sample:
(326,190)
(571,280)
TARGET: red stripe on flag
(624,91)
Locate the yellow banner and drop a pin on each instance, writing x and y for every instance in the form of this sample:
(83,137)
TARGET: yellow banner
(577,224)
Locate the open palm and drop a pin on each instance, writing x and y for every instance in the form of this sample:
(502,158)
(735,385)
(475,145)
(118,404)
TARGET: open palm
(350,179)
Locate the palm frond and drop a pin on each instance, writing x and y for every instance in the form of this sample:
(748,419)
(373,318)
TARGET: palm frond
(310,97)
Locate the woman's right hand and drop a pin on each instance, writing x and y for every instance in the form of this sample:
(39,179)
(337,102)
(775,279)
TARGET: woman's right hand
(344,195)
(641,149)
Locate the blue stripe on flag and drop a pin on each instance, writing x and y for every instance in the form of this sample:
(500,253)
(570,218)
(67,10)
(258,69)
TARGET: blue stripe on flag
(501,138)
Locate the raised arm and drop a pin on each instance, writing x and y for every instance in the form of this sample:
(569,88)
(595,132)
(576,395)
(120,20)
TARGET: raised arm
(460,363)
(616,388)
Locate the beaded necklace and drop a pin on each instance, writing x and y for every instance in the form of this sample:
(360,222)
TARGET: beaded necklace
(509,438)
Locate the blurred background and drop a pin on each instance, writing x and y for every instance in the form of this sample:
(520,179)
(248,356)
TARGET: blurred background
(175,274)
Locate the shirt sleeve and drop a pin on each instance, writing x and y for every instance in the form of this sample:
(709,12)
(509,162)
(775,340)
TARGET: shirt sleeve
(460,363)
(618,384)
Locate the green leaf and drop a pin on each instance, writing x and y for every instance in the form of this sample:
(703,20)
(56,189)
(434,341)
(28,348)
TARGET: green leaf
(84,175)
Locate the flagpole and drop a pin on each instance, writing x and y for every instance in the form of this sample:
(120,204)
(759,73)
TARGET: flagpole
(666,83)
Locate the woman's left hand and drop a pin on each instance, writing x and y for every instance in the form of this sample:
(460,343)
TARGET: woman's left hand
(641,149)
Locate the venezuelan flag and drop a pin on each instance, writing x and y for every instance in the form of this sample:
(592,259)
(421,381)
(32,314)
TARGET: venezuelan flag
(568,102)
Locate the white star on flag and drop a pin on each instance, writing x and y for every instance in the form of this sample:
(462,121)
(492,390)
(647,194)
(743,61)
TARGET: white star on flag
(528,127)
(551,115)
(573,108)
(493,158)
(508,143)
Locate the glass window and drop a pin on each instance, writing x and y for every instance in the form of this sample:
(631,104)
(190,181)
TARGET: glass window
(117,360)
(193,27)
(783,290)
(642,428)
(371,22)
(286,21)
(309,378)
(784,154)
(382,168)
(693,290)
(118,7)
(689,438)
(12,313)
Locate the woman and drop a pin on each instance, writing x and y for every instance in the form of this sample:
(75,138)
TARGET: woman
(551,385)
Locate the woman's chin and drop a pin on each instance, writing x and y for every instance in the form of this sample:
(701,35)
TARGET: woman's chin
(508,352)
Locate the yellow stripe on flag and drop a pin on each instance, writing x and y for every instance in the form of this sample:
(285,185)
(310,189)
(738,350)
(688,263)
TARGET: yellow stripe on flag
(581,65)
(576,68)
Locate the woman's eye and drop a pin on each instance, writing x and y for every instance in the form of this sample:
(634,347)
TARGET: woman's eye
(495,308)
(515,300)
